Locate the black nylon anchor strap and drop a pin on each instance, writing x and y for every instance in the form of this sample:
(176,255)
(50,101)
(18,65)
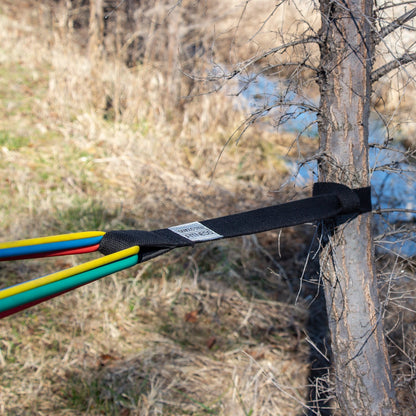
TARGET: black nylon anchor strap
(329,200)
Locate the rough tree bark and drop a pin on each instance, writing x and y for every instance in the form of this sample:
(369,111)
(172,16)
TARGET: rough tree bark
(360,360)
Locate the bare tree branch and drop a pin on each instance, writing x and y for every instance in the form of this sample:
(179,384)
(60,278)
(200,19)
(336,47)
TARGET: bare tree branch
(267,19)
(387,210)
(390,66)
(399,22)
(278,49)
(391,5)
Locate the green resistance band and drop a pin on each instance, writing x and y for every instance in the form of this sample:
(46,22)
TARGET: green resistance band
(63,285)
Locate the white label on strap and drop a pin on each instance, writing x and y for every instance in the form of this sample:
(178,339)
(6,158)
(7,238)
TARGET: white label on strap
(195,231)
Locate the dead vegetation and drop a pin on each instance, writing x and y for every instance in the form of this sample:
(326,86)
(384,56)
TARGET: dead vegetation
(215,330)
(204,331)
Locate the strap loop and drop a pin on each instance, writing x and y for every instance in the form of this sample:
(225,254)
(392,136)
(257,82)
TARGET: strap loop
(351,200)
(329,200)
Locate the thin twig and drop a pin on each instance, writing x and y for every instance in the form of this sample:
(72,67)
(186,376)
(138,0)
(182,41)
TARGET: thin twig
(386,210)
(399,22)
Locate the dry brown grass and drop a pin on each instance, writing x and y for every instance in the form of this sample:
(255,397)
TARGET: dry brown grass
(213,330)
(204,331)
(142,345)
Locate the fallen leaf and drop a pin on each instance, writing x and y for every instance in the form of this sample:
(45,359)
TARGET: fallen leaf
(105,359)
(191,316)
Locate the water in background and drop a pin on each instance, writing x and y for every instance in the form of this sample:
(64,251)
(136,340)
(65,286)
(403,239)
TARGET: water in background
(393,180)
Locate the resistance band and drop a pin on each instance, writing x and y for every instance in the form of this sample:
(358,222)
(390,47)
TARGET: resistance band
(59,286)
(94,264)
(124,249)
(47,246)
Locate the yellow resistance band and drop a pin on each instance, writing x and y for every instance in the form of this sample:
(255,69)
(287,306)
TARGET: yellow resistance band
(63,274)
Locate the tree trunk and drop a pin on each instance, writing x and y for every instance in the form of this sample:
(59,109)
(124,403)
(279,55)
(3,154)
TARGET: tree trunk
(360,360)
(96,51)
(96,31)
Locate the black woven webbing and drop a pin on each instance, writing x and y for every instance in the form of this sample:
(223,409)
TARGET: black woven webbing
(329,200)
